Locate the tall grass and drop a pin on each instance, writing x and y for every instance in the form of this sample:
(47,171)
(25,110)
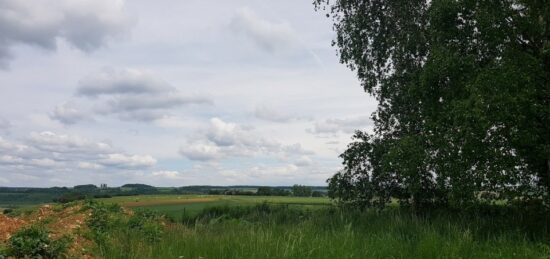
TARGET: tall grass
(267,231)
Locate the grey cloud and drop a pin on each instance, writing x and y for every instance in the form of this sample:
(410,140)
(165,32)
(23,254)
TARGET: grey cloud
(152,102)
(131,94)
(122,81)
(67,113)
(140,115)
(270,36)
(87,25)
(303,161)
(5,56)
(296,149)
(5,124)
(265,113)
(344,125)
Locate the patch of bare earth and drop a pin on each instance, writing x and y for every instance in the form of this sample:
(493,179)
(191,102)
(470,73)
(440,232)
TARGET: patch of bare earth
(8,226)
(69,221)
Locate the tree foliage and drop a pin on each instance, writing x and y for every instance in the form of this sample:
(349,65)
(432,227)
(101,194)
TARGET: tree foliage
(463,90)
(301,190)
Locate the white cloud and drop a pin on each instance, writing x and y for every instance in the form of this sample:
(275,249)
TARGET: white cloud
(88,165)
(127,161)
(341,125)
(167,174)
(255,63)
(269,36)
(48,150)
(85,24)
(70,144)
(201,151)
(273,171)
(227,134)
(172,122)
(224,139)
(134,95)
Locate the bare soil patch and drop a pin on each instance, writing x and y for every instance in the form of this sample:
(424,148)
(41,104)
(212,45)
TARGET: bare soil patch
(69,221)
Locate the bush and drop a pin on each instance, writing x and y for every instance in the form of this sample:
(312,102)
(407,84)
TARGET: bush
(263,212)
(3,252)
(34,242)
(102,220)
(147,223)
(70,197)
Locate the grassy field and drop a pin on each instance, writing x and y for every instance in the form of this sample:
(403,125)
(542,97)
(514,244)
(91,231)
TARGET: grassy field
(292,231)
(293,227)
(176,206)
(216,226)
(17,200)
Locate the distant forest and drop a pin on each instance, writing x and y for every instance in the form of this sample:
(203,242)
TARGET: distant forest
(20,196)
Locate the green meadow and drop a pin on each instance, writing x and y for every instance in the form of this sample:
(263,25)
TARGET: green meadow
(178,206)
(229,226)
(292,227)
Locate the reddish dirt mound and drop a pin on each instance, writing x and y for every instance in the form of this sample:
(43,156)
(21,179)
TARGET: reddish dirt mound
(59,221)
(8,226)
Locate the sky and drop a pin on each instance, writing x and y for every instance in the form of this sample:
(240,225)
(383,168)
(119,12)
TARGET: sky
(173,93)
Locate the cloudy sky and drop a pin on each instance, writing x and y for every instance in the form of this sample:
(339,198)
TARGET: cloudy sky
(172,93)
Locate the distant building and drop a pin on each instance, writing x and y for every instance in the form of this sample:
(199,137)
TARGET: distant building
(103,186)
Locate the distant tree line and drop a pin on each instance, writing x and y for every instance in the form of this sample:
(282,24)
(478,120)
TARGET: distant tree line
(295,190)
(15,195)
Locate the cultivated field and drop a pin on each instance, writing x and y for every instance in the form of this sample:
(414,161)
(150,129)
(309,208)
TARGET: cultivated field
(175,206)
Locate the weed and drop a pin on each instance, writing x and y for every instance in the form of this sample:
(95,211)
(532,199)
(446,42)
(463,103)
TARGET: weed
(34,242)
(148,223)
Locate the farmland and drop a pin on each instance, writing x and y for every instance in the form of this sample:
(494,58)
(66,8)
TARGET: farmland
(228,226)
(175,205)
(298,227)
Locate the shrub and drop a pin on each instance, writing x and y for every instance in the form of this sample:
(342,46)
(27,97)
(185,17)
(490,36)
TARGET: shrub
(263,212)
(99,223)
(147,223)
(3,252)
(70,197)
(34,242)
(102,219)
